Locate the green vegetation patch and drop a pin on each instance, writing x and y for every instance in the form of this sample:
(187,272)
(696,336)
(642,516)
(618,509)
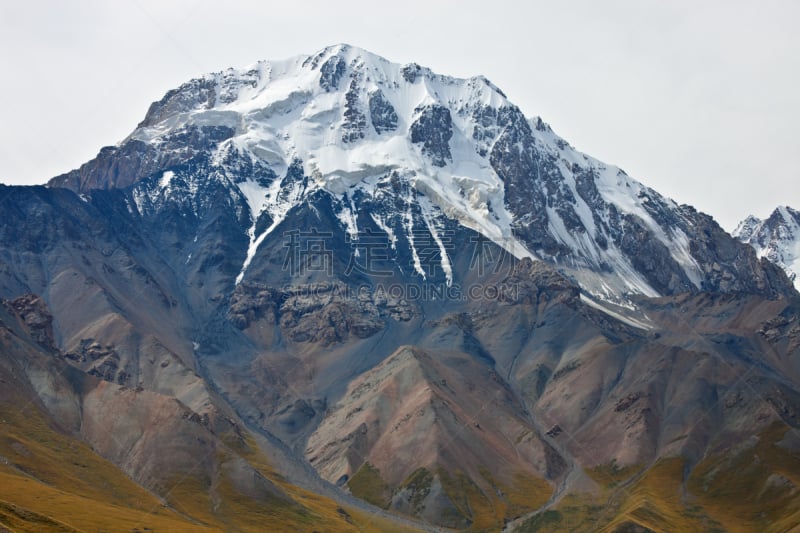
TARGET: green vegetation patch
(544,521)
(368,485)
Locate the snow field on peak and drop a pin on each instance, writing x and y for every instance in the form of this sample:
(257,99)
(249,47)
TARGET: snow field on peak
(281,112)
(281,119)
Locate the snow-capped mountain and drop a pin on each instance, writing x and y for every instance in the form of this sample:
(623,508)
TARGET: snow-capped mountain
(777,238)
(269,284)
(412,151)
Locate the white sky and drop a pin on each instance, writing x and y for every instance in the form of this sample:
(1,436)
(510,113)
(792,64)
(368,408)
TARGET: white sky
(698,100)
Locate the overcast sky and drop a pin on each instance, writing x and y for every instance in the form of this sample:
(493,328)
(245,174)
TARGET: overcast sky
(698,100)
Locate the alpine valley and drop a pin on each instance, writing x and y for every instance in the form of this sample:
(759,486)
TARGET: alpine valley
(333,293)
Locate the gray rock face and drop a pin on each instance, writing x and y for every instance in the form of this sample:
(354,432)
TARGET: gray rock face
(325,313)
(355,122)
(201,93)
(783,331)
(230,83)
(318,314)
(104,362)
(527,174)
(120,167)
(534,282)
(727,267)
(37,318)
(253,302)
(382,114)
(331,72)
(410,72)
(433,128)
(195,94)
(651,257)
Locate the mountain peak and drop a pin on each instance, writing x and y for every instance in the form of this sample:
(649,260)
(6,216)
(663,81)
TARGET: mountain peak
(351,125)
(776,238)
(347,52)
(744,230)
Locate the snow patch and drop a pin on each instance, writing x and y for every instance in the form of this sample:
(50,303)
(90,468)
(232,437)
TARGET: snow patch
(631,321)
(348,216)
(386,229)
(408,226)
(277,203)
(435,227)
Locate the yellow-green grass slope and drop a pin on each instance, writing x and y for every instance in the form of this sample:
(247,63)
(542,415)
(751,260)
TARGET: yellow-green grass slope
(752,487)
(50,481)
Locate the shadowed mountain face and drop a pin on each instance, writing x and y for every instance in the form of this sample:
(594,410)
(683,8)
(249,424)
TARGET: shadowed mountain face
(330,286)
